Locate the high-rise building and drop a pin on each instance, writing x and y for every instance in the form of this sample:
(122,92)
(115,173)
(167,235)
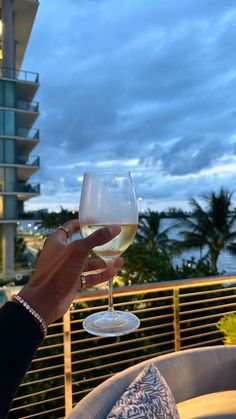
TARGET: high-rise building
(18,113)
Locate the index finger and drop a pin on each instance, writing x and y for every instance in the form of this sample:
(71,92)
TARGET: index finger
(101,236)
(98,238)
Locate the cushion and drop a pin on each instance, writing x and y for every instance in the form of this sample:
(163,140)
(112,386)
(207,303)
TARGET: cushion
(147,397)
(220,405)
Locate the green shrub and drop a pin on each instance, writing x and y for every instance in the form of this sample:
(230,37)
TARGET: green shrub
(227,325)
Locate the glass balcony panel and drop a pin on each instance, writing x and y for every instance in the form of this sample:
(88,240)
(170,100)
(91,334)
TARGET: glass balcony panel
(34,161)
(29,160)
(12,73)
(15,187)
(28,188)
(28,106)
(32,133)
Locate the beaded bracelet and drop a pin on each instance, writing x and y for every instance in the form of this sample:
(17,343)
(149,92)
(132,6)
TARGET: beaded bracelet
(39,319)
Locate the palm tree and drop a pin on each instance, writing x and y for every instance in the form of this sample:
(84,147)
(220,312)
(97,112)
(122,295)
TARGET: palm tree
(212,226)
(50,221)
(149,232)
(149,258)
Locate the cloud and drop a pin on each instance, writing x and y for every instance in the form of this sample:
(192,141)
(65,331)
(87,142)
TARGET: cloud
(147,86)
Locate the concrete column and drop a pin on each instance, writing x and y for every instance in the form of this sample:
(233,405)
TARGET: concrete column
(8,236)
(8,44)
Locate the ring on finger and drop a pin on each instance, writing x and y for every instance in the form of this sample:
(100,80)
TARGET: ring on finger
(66,230)
(83,281)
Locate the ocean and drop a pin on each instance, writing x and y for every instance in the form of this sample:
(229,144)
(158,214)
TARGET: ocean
(226,262)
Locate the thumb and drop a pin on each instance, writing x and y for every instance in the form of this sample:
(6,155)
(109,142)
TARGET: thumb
(99,237)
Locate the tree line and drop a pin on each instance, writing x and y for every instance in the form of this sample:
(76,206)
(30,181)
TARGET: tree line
(209,226)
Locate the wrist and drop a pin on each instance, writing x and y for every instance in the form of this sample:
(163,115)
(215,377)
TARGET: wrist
(38,300)
(40,321)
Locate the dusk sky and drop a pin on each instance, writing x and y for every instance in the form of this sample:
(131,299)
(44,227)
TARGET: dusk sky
(145,86)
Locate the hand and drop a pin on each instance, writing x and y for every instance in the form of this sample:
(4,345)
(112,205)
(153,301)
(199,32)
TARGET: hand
(57,276)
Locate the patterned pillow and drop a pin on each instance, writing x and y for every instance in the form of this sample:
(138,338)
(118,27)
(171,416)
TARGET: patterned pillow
(147,397)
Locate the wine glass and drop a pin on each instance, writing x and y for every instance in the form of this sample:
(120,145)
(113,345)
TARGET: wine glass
(109,198)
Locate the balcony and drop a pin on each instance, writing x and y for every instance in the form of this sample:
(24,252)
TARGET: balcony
(26,117)
(29,161)
(27,82)
(23,191)
(174,315)
(19,75)
(25,146)
(27,191)
(24,106)
(27,139)
(29,133)
(23,161)
(26,166)
(30,106)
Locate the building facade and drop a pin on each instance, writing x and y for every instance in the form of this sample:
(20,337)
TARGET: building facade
(18,113)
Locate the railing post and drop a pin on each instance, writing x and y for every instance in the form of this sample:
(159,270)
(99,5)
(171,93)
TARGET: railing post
(176,318)
(67,362)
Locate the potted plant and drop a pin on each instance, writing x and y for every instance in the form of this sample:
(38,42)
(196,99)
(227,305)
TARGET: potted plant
(227,325)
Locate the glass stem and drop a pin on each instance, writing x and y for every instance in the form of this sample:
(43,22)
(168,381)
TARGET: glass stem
(110,296)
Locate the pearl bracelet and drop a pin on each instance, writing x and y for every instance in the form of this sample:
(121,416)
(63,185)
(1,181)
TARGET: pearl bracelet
(39,319)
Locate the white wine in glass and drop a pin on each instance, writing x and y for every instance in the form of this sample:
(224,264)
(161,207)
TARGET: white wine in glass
(109,198)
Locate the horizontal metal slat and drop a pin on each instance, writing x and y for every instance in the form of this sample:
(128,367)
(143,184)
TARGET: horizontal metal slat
(121,352)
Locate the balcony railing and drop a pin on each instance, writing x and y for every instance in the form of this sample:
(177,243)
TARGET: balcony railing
(24,160)
(27,106)
(15,187)
(32,133)
(28,188)
(174,315)
(29,160)
(12,73)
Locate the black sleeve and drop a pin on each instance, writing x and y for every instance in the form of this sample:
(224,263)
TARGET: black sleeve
(20,336)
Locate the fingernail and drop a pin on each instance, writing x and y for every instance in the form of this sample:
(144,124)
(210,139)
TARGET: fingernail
(118,263)
(115,229)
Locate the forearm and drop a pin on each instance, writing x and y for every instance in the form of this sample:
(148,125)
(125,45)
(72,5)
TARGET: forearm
(20,336)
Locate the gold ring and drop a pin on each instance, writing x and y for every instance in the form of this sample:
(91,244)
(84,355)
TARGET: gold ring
(83,282)
(66,230)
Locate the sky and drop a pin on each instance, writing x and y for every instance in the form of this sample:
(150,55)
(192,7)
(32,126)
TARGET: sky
(141,86)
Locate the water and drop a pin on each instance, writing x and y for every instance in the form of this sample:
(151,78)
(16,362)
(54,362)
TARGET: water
(226,263)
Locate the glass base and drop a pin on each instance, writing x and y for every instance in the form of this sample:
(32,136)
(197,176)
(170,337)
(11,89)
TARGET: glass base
(111,323)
